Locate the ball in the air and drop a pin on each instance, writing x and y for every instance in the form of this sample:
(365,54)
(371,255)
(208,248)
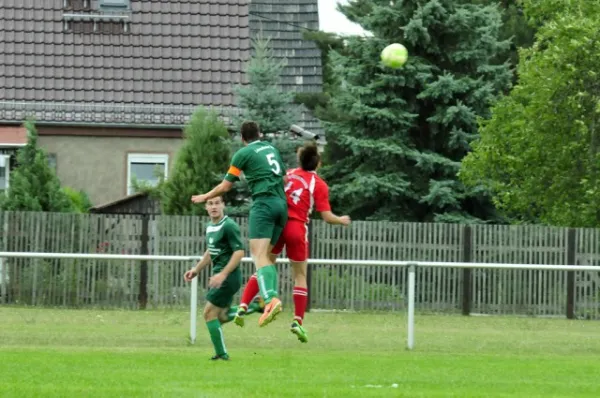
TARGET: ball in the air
(394,55)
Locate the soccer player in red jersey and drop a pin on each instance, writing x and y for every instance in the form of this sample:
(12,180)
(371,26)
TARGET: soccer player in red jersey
(304,190)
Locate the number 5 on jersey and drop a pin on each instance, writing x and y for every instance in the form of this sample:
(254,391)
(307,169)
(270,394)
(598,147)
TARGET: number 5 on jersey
(275,166)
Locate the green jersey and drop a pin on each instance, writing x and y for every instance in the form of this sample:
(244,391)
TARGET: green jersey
(263,168)
(223,239)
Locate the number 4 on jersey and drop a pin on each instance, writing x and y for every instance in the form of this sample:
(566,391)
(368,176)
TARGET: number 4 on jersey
(295,195)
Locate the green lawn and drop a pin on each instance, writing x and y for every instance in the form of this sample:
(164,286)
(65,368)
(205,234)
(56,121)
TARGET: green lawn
(77,353)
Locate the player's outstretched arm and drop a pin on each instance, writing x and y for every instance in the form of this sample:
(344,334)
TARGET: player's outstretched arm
(233,174)
(331,218)
(234,262)
(191,274)
(223,187)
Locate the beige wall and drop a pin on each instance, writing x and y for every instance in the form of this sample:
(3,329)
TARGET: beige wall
(98,165)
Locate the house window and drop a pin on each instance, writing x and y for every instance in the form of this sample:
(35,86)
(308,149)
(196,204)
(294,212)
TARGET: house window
(4,172)
(77,5)
(114,5)
(52,160)
(144,167)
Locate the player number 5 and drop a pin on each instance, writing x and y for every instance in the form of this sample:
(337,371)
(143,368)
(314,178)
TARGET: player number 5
(275,167)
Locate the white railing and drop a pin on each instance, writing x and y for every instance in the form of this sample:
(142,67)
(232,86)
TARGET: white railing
(412,270)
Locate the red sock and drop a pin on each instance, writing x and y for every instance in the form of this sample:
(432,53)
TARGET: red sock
(300,300)
(250,291)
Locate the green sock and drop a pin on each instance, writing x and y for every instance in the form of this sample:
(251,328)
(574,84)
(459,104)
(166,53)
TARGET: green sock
(216,335)
(231,313)
(267,282)
(253,307)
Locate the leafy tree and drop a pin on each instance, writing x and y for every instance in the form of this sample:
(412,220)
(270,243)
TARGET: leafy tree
(539,153)
(34,185)
(79,199)
(199,165)
(395,149)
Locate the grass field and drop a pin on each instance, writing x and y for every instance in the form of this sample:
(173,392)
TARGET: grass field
(77,353)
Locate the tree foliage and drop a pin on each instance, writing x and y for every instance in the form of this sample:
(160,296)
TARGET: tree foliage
(318,103)
(79,199)
(539,153)
(200,164)
(263,99)
(516,27)
(398,136)
(34,185)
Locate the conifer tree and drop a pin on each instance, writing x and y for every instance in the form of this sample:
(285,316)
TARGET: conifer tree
(33,184)
(200,164)
(395,148)
(264,101)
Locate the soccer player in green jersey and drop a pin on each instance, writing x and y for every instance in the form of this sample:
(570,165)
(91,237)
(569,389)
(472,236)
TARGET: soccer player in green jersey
(264,171)
(225,251)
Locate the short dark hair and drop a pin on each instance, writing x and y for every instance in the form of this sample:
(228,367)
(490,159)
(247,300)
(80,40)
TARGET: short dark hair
(218,196)
(250,131)
(309,157)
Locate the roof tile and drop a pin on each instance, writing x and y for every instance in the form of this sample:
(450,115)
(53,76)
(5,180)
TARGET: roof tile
(176,55)
(165,41)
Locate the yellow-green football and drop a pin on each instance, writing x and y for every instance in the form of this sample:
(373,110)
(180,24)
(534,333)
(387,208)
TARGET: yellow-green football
(394,56)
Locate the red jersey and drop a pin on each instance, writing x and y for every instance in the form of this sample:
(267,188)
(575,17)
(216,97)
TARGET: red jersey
(304,190)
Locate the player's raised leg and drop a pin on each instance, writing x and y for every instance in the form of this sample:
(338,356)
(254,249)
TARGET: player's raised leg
(267,280)
(268,216)
(297,249)
(248,295)
(237,313)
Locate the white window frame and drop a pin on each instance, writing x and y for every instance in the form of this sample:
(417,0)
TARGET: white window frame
(150,158)
(5,162)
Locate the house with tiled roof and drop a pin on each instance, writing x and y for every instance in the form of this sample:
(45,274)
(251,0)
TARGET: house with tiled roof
(111,83)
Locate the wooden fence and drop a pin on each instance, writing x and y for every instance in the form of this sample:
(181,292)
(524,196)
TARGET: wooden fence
(135,284)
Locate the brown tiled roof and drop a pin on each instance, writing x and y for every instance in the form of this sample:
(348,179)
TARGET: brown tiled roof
(175,55)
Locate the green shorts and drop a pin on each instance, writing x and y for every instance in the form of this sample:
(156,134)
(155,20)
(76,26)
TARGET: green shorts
(223,296)
(268,216)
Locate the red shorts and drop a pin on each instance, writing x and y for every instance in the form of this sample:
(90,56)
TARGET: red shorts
(295,239)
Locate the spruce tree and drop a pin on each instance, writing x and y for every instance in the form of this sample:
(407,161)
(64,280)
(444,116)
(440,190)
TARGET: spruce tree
(200,164)
(33,184)
(395,148)
(264,101)
(514,26)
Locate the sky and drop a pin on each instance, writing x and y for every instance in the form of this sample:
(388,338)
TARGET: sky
(330,20)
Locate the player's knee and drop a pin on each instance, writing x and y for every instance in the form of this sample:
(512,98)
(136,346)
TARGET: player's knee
(299,273)
(223,317)
(259,250)
(210,312)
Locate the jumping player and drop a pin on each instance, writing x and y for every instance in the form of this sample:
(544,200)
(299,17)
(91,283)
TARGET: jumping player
(264,171)
(304,190)
(225,251)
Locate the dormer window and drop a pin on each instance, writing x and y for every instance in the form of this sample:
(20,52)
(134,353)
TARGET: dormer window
(114,5)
